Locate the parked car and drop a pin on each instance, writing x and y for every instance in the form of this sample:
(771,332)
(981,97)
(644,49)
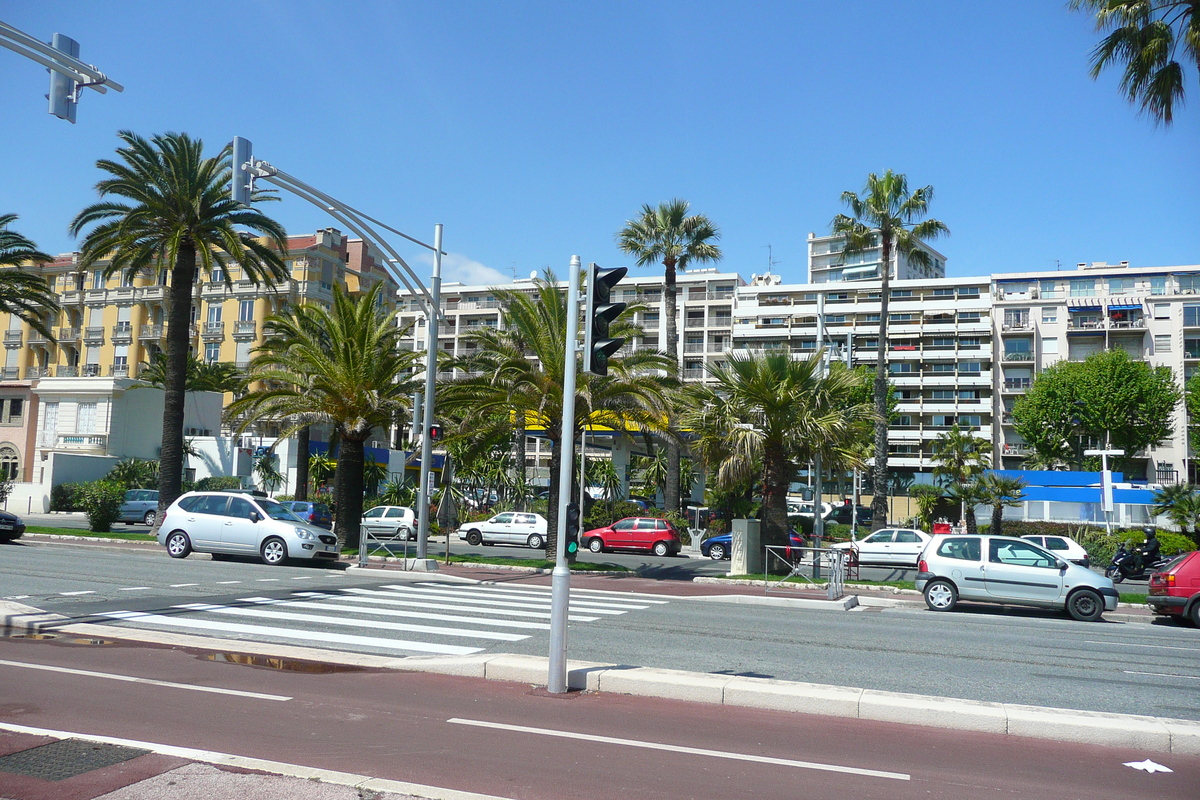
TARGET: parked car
(1063,546)
(141,505)
(12,527)
(889,547)
(313,513)
(1175,589)
(842,515)
(658,536)
(1010,571)
(390,522)
(509,527)
(231,523)
(721,546)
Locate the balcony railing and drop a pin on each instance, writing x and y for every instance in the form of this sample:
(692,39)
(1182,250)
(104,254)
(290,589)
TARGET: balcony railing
(151,332)
(1017,384)
(1019,355)
(1085,324)
(692,322)
(214,329)
(33,373)
(12,338)
(73,440)
(66,372)
(1017,449)
(90,370)
(244,327)
(118,370)
(68,334)
(93,335)
(151,293)
(9,373)
(693,347)
(122,333)
(693,374)
(1016,325)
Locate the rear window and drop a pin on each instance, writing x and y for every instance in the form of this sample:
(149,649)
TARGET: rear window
(1056,543)
(963,549)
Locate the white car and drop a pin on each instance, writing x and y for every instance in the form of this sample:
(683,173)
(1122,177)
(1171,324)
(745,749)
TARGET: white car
(1010,571)
(1064,547)
(509,527)
(889,547)
(390,522)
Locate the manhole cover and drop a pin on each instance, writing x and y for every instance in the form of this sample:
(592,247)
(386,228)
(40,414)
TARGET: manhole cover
(92,641)
(65,759)
(33,636)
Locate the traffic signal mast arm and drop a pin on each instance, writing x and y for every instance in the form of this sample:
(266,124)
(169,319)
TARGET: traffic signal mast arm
(68,75)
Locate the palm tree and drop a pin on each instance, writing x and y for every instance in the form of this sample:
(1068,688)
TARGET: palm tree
(514,380)
(958,456)
(173,208)
(968,495)
(23,293)
(339,366)
(134,473)
(999,492)
(927,496)
(1180,503)
(202,376)
(1145,36)
(770,412)
(886,216)
(668,235)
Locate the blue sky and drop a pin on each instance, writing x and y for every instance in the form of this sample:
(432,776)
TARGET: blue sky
(534,130)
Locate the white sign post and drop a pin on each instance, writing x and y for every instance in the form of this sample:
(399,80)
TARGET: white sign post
(1106,485)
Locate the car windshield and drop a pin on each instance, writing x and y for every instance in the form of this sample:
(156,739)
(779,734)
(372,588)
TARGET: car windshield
(276,510)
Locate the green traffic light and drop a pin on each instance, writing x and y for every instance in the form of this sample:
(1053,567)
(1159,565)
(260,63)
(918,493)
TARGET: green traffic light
(572,548)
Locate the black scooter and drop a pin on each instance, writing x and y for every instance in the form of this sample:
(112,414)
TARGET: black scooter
(1130,565)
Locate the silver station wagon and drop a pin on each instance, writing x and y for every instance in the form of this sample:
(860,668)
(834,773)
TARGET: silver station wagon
(1011,571)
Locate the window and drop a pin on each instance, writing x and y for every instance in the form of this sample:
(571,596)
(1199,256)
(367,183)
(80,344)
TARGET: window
(943,343)
(970,316)
(217,276)
(97,280)
(969,421)
(214,313)
(12,411)
(943,394)
(1162,343)
(239,507)
(969,291)
(246,311)
(85,420)
(901,368)
(1191,315)
(966,549)
(969,367)
(968,343)
(1050,346)
(1117,285)
(1049,289)
(1023,554)
(1083,288)
(943,293)
(1049,315)
(1162,310)
(942,420)
(212,352)
(907,537)
(10,463)
(901,293)
(968,394)
(1158,285)
(947,367)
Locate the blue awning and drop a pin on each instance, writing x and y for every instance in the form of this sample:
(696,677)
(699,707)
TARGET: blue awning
(1126,308)
(1073,309)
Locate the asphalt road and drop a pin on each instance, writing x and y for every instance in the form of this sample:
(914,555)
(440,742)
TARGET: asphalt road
(982,652)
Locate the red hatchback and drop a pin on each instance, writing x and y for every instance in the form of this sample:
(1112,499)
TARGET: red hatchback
(635,533)
(1175,591)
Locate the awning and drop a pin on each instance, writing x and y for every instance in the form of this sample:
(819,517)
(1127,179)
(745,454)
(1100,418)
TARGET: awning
(1125,307)
(1092,306)
(870,268)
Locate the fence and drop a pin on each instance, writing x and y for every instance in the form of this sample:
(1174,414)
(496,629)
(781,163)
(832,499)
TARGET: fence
(822,565)
(371,544)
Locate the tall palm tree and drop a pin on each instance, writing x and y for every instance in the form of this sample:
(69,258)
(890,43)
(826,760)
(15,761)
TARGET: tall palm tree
(1146,36)
(999,492)
(25,294)
(166,204)
(515,379)
(959,456)
(670,236)
(339,366)
(886,216)
(202,376)
(768,413)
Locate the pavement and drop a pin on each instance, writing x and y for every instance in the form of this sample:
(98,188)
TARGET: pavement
(61,765)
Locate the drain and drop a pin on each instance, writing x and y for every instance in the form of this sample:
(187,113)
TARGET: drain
(37,637)
(284,664)
(91,641)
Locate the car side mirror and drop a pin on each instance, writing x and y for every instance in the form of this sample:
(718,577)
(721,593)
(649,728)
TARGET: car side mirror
(254,517)
(1062,565)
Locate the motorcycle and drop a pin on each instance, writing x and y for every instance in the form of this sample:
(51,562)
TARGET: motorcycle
(1131,565)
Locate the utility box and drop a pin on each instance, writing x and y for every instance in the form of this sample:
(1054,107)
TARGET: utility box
(747,552)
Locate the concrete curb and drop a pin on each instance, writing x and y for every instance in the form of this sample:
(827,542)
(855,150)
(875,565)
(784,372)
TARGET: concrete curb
(1154,734)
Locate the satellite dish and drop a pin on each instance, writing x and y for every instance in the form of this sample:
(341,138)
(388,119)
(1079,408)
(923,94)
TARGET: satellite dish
(533,275)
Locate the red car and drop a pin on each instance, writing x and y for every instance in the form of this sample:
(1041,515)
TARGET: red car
(1175,591)
(635,533)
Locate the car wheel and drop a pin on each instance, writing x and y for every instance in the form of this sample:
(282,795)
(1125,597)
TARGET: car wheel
(661,549)
(149,518)
(274,552)
(536,542)
(596,545)
(1085,605)
(474,538)
(716,552)
(1194,614)
(941,595)
(179,545)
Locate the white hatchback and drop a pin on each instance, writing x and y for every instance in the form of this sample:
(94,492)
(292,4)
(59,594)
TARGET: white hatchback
(889,547)
(509,527)
(390,522)
(1063,546)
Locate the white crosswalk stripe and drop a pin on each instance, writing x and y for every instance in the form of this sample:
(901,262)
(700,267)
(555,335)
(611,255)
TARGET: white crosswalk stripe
(395,618)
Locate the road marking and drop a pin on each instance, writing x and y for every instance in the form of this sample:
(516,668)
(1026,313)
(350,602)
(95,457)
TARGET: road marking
(672,748)
(1161,675)
(268,580)
(181,585)
(68,594)
(287,633)
(543,597)
(388,598)
(470,597)
(322,619)
(1155,646)
(589,595)
(301,577)
(131,679)
(18,597)
(223,583)
(394,612)
(133,589)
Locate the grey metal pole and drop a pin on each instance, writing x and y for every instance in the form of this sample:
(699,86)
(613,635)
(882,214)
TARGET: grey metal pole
(560,579)
(819,482)
(431,325)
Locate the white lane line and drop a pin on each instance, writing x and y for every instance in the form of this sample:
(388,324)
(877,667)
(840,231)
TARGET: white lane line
(1154,646)
(390,598)
(1162,675)
(69,594)
(268,580)
(287,633)
(222,583)
(133,589)
(471,597)
(301,577)
(131,679)
(395,612)
(18,597)
(321,619)
(181,585)
(673,748)
(535,591)
(542,597)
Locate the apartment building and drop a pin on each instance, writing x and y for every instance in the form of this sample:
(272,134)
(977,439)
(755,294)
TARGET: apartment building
(827,263)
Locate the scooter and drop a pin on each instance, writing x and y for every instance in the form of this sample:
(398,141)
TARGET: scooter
(1130,565)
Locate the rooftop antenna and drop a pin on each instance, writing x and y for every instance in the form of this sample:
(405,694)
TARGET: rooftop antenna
(770,259)
(513,269)
(1057,265)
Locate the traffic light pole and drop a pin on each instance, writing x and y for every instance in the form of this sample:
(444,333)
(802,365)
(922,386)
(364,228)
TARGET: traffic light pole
(68,75)
(560,580)
(431,328)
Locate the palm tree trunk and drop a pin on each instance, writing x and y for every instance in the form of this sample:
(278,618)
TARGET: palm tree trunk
(671,327)
(179,319)
(879,504)
(302,436)
(775,485)
(997,521)
(348,491)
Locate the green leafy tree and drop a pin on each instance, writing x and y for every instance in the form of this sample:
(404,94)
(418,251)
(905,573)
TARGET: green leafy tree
(341,366)
(999,492)
(887,215)
(668,235)
(1192,404)
(102,501)
(771,412)
(1106,400)
(134,473)
(23,292)
(959,456)
(166,205)
(1149,39)
(927,496)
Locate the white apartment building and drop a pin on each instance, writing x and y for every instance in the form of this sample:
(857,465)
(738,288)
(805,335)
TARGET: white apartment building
(828,264)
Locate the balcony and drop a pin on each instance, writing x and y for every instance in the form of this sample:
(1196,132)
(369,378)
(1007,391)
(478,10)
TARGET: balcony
(122,334)
(694,322)
(151,294)
(244,328)
(1017,384)
(152,332)
(693,347)
(9,373)
(90,370)
(33,373)
(721,321)
(97,297)
(124,293)
(68,334)
(93,335)
(1016,449)
(66,372)
(72,296)
(1016,325)
(1019,355)
(1085,325)
(118,370)
(73,441)
(1127,324)
(37,338)
(12,338)
(693,374)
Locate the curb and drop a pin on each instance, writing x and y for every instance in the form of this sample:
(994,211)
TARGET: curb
(1154,734)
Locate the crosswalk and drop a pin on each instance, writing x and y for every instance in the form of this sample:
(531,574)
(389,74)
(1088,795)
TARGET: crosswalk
(399,619)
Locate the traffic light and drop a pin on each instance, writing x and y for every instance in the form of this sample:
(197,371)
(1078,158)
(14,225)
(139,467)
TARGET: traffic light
(62,88)
(242,151)
(600,312)
(571,534)
(435,432)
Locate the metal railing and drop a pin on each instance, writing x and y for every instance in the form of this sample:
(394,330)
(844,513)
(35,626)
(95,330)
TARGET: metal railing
(371,544)
(815,565)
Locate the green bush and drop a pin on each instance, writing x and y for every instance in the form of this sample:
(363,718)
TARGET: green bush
(65,497)
(102,501)
(218,482)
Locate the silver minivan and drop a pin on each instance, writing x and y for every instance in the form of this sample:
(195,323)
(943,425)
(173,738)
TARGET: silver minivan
(1011,571)
(231,523)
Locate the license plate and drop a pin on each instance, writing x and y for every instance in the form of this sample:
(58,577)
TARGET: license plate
(331,548)
(5,527)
